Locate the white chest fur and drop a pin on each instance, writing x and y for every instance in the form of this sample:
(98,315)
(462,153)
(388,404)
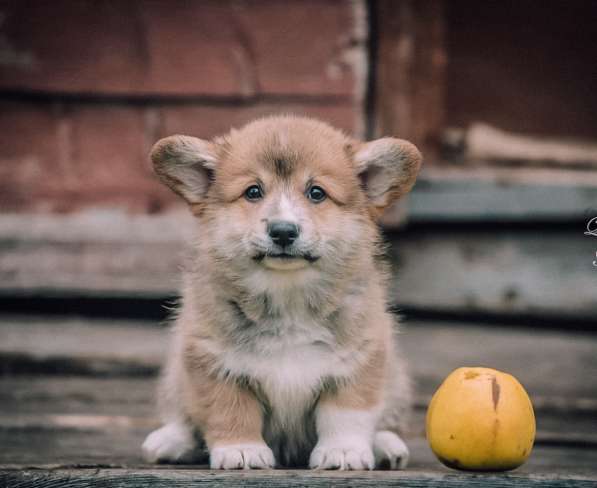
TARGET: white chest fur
(291,366)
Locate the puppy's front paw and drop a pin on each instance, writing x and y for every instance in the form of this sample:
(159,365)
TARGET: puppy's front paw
(173,442)
(242,456)
(354,455)
(390,450)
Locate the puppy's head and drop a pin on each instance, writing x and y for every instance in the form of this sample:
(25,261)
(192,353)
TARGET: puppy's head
(286,193)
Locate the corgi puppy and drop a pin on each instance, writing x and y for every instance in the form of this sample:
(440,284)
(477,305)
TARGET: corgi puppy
(283,352)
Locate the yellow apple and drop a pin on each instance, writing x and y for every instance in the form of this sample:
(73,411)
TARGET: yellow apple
(481,419)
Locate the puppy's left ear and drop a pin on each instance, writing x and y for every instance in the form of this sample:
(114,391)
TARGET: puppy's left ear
(186,165)
(388,168)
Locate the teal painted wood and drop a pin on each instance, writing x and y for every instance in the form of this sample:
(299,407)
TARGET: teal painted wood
(483,200)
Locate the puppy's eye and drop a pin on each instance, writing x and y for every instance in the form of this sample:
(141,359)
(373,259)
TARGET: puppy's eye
(316,194)
(253,193)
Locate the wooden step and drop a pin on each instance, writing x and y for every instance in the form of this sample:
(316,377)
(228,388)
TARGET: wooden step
(87,427)
(559,369)
(573,468)
(110,354)
(67,423)
(93,404)
(542,271)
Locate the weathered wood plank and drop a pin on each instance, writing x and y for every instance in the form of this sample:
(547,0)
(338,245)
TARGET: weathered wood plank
(93,251)
(543,271)
(118,445)
(507,270)
(95,440)
(535,357)
(562,386)
(558,381)
(483,142)
(102,345)
(90,404)
(27,396)
(36,445)
(506,175)
(74,422)
(294,478)
(435,199)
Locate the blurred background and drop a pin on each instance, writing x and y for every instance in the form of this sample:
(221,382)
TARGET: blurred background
(493,266)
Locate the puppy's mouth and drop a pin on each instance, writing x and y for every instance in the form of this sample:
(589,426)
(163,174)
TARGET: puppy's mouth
(285,256)
(285,261)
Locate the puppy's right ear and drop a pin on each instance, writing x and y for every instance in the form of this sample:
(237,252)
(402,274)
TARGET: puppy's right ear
(185,164)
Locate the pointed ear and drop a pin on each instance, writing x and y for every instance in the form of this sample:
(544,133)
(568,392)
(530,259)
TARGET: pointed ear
(387,168)
(186,165)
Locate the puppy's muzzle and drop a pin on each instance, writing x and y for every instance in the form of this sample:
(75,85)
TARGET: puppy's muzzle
(282,232)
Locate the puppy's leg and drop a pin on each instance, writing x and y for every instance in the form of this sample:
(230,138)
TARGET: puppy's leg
(346,419)
(227,414)
(345,438)
(230,418)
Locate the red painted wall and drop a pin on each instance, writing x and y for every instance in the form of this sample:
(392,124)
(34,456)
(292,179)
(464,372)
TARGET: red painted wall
(86,87)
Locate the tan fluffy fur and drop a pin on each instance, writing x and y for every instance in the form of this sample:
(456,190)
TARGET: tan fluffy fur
(301,361)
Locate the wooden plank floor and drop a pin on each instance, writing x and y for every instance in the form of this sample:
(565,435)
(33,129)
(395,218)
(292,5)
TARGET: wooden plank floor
(76,401)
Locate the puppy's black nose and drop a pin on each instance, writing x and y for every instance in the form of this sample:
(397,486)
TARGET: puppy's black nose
(282,232)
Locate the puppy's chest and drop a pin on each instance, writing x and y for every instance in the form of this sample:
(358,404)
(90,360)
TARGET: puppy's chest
(291,365)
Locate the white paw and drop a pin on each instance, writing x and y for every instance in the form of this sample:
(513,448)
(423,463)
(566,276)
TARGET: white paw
(173,442)
(351,455)
(390,450)
(242,456)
